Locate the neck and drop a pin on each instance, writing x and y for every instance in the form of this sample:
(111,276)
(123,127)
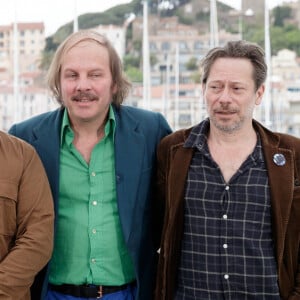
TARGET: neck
(229,151)
(88,129)
(86,136)
(232,138)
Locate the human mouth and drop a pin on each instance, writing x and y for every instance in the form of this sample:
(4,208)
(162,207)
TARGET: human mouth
(225,112)
(81,100)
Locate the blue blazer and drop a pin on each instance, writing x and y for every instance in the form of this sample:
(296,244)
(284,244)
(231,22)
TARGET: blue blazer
(137,135)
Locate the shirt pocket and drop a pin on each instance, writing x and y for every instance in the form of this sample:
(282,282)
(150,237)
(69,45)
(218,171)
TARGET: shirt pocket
(8,208)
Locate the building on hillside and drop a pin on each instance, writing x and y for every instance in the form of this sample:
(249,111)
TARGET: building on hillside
(295,13)
(25,95)
(30,41)
(293,113)
(285,91)
(116,35)
(285,66)
(28,100)
(257,7)
(182,105)
(173,45)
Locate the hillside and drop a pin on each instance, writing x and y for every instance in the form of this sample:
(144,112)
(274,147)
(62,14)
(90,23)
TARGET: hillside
(281,35)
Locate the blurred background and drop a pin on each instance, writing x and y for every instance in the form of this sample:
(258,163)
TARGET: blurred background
(160,43)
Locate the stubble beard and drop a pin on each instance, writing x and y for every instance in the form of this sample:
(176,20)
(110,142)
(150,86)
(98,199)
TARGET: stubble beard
(228,128)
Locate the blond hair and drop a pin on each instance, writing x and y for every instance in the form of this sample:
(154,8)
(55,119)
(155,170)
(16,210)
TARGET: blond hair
(119,80)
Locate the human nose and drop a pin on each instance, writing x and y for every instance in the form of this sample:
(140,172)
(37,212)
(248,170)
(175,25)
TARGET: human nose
(225,95)
(83,84)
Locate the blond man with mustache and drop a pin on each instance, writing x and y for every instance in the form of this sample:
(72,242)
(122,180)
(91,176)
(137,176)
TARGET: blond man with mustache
(100,157)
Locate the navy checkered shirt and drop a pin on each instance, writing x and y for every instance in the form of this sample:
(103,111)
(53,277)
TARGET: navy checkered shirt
(227,248)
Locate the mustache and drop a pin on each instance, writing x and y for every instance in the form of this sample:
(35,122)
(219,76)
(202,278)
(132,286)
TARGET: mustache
(84,95)
(225,108)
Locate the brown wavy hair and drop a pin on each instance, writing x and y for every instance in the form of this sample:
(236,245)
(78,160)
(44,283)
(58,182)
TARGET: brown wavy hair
(238,49)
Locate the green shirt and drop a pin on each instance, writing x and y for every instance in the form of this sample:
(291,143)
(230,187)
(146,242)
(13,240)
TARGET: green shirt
(89,246)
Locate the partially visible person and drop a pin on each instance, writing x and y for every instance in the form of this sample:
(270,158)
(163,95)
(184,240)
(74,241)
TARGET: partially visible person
(26,218)
(100,157)
(231,191)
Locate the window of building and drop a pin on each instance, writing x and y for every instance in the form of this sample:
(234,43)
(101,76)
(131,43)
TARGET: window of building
(184,119)
(183,45)
(152,46)
(165,46)
(184,105)
(198,45)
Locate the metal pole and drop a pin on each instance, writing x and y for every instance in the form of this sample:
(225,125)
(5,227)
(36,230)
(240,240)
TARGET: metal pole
(75,21)
(17,104)
(214,31)
(267,98)
(146,59)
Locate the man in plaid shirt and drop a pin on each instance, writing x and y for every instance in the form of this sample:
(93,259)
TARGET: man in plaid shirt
(231,193)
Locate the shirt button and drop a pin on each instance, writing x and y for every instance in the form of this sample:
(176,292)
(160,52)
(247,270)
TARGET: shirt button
(93,174)
(93,260)
(94,231)
(227,188)
(94,202)
(225,246)
(226,276)
(225,217)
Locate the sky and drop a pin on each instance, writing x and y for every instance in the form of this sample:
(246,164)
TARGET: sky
(237,3)
(56,13)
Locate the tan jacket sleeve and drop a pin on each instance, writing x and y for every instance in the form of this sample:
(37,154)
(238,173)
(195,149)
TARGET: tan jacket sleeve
(26,218)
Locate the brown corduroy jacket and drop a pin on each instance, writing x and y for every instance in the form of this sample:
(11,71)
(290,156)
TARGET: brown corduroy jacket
(173,164)
(26,218)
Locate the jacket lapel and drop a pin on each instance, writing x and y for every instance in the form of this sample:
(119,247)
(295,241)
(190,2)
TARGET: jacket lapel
(129,154)
(281,181)
(47,143)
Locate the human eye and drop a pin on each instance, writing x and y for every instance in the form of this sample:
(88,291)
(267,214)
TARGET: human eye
(215,87)
(95,75)
(238,89)
(71,75)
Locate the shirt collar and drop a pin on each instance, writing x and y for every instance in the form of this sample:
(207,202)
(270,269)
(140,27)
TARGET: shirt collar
(110,126)
(198,139)
(198,136)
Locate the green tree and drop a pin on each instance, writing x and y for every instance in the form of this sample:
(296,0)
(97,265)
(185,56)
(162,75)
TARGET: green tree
(293,40)
(134,74)
(131,61)
(280,13)
(192,64)
(153,59)
(278,39)
(196,77)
